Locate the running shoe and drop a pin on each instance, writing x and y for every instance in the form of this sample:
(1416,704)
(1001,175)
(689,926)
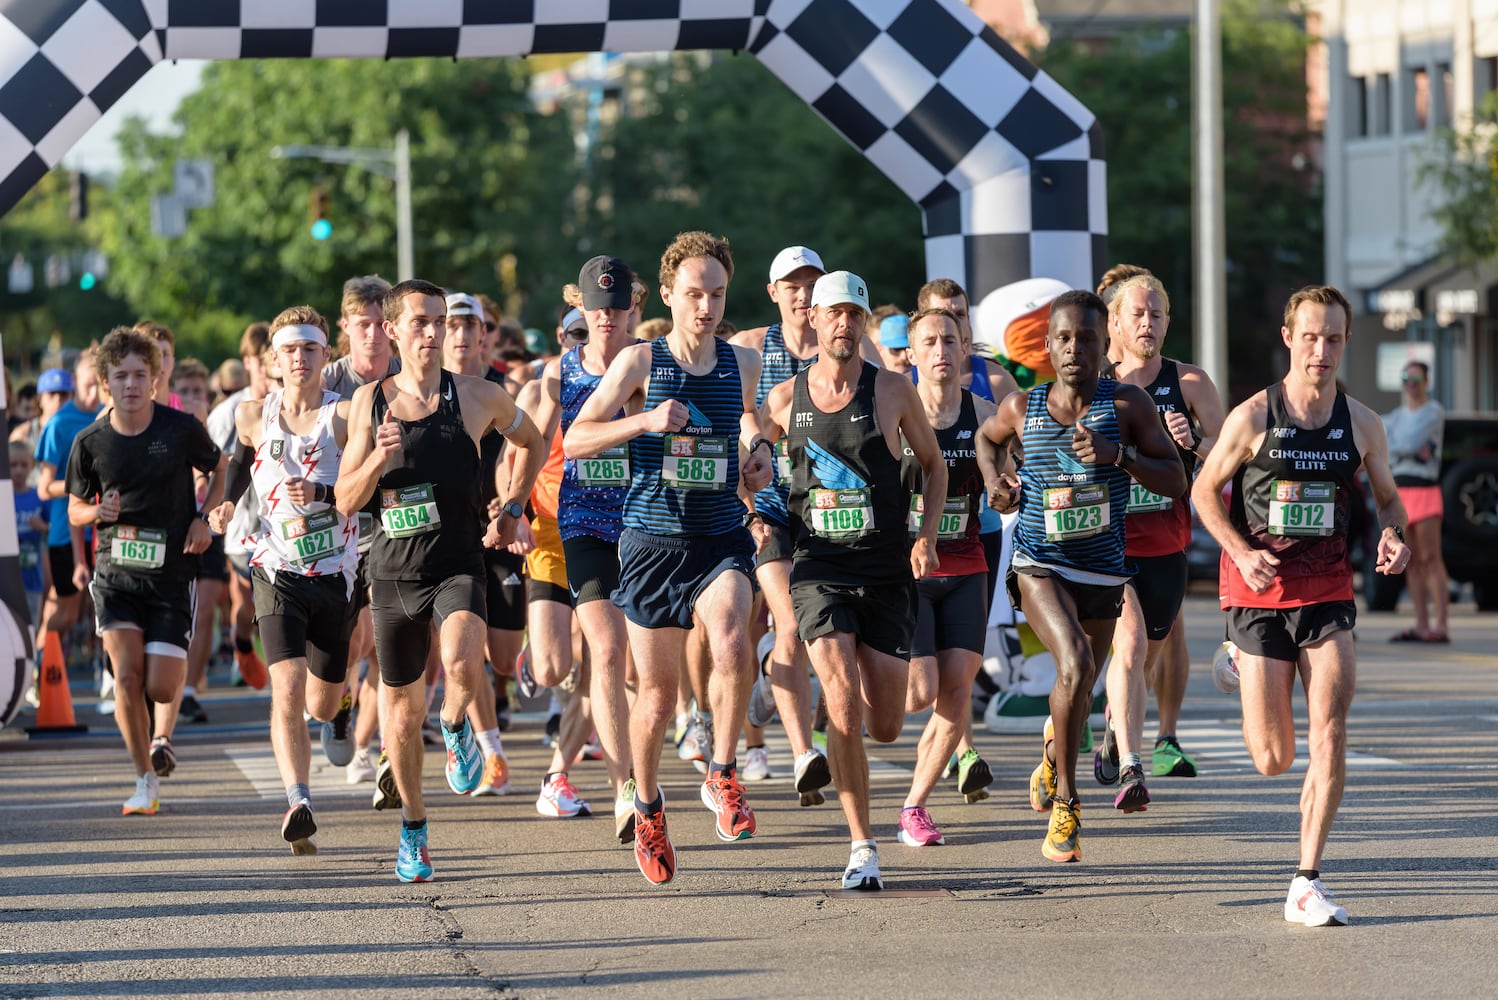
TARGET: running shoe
(163,759)
(973,774)
(191,711)
(761,711)
(1311,903)
(757,764)
(360,769)
(1088,740)
(697,743)
(1225,668)
(465,761)
(387,794)
(653,851)
(1132,796)
(1063,841)
(412,863)
(1170,761)
(147,797)
(950,771)
(337,741)
(624,813)
(682,718)
(812,773)
(862,872)
(917,829)
(525,681)
(1043,778)
(723,794)
(812,798)
(1105,761)
(592,750)
(496,779)
(297,828)
(252,669)
(560,798)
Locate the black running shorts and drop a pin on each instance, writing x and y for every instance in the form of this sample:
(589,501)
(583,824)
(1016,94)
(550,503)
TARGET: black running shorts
(1094,602)
(881,616)
(505,590)
(661,576)
(1281,633)
(1160,586)
(305,616)
(161,609)
(592,568)
(951,613)
(403,613)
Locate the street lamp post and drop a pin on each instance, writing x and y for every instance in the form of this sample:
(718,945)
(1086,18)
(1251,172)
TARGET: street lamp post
(392,163)
(1210,278)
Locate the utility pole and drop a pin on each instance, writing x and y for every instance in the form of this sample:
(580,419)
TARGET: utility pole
(392,163)
(1210,248)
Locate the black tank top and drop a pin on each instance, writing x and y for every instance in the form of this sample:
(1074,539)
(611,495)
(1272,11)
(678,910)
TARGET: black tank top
(431,516)
(957,541)
(847,497)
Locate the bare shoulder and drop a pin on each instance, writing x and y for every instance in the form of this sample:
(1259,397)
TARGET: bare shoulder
(530,394)
(746,356)
(753,340)
(1133,396)
(984,408)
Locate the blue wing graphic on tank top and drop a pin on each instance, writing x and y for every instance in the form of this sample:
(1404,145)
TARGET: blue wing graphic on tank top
(1069,464)
(696,418)
(830,471)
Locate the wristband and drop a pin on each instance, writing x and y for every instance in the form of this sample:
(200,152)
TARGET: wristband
(759,441)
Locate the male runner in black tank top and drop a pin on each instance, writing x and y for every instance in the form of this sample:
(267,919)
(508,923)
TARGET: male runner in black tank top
(413,441)
(854,570)
(1286,581)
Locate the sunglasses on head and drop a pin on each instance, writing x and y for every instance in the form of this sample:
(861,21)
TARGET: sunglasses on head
(490,327)
(1407,377)
(578,333)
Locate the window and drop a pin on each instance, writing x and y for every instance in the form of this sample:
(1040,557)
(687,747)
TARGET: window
(1485,78)
(1416,100)
(1382,118)
(1358,106)
(1443,95)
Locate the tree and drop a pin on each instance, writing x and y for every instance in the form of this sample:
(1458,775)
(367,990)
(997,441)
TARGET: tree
(486,184)
(1463,167)
(1139,86)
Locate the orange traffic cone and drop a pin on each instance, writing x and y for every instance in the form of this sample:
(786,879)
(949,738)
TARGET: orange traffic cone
(56,712)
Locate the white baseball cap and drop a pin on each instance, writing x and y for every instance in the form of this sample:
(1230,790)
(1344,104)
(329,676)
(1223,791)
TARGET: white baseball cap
(838,288)
(463,304)
(793,259)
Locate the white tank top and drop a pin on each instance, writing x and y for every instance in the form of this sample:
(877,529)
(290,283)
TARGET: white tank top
(307,539)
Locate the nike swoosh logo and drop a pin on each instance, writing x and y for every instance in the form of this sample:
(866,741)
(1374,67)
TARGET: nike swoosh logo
(901,651)
(863,417)
(724,374)
(447,393)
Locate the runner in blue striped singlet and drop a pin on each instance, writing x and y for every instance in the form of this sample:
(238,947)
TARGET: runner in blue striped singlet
(1083,436)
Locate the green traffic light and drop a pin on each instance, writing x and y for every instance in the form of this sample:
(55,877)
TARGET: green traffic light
(322,229)
(87,280)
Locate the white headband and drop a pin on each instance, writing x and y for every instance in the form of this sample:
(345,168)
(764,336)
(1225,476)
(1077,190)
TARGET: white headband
(297,333)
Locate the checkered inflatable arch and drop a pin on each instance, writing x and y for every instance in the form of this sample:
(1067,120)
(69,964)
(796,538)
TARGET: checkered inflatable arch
(1006,166)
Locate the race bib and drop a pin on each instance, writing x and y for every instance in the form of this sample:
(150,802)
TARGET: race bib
(314,537)
(138,548)
(31,557)
(690,462)
(783,460)
(953,523)
(609,468)
(1301,508)
(408,511)
(842,513)
(1142,501)
(1075,512)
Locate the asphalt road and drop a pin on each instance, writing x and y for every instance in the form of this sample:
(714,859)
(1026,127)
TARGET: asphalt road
(1183,900)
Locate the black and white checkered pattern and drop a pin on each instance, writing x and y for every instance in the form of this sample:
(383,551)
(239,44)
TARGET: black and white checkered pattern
(1006,165)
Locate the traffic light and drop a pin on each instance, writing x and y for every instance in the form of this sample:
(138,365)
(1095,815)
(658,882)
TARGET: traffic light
(318,210)
(78,196)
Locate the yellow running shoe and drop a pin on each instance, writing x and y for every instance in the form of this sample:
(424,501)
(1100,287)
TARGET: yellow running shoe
(1043,778)
(1063,841)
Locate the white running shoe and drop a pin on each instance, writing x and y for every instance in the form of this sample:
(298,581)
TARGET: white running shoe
(1225,668)
(757,764)
(697,743)
(863,871)
(1310,903)
(559,797)
(147,797)
(360,769)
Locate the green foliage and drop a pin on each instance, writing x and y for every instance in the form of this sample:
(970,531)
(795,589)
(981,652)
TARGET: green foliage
(485,184)
(1463,167)
(1139,86)
(728,148)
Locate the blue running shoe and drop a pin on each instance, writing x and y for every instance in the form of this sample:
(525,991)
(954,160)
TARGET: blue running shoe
(465,764)
(411,861)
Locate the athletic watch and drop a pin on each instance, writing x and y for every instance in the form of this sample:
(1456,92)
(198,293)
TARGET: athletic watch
(1126,455)
(514,509)
(1398,531)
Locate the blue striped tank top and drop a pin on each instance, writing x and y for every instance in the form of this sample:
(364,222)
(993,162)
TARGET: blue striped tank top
(591,501)
(779,364)
(686,482)
(1071,514)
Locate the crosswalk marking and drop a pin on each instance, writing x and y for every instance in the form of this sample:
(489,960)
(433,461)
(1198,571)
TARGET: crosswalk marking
(1224,744)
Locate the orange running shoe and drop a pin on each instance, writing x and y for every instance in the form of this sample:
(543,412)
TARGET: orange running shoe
(723,794)
(252,669)
(653,851)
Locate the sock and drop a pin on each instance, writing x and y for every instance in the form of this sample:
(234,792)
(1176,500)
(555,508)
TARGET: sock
(188,691)
(550,775)
(502,702)
(489,741)
(1311,873)
(906,809)
(1164,737)
(298,793)
(455,727)
(871,845)
(651,808)
(758,746)
(243,645)
(715,769)
(1128,760)
(413,824)
(706,718)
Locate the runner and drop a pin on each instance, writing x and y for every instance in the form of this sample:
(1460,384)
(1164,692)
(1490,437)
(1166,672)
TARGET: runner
(413,443)
(952,600)
(590,506)
(853,571)
(1291,452)
(463,354)
(131,476)
(290,443)
(787,348)
(1415,430)
(688,398)
(1082,436)
(1158,533)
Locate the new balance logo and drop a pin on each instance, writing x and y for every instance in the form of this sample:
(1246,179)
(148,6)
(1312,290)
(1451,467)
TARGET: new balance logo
(1163,390)
(964,435)
(1334,433)
(1284,432)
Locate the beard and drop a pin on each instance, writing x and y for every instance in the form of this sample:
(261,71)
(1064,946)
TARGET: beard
(1146,352)
(840,353)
